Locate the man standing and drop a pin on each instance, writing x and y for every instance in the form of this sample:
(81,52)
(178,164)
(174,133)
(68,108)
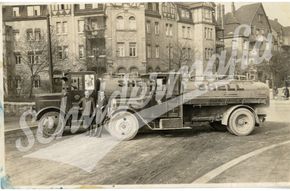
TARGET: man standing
(87,106)
(100,108)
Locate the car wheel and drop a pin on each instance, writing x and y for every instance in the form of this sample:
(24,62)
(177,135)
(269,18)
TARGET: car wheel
(51,124)
(241,122)
(123,125)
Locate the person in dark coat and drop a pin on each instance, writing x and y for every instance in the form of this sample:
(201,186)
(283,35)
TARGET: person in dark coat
(87,105)
(100,109)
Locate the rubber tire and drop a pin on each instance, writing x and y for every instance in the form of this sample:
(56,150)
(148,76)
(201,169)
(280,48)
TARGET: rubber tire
(250,120)
(122,129)
(217,126)
(52,115)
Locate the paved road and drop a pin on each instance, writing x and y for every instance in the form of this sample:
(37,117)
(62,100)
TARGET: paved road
(158,157)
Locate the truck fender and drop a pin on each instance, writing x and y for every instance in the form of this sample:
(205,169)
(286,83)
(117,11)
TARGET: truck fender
(227,114)
(41,112)
(141,120)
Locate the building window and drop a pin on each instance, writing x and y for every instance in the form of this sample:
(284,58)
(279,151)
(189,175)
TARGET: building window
(81,51)
(132,23)
(183,31)
(29,34)
(37,34)
(150,6)
(156,29)
(81,25)
(156,51)
(62,52)
(120,23)
(58,27)
(120,49)
(208,53)
(18,58)
(65,52)
(168,28)
(33,10)
(189,53)
(36,81)
(15,11)
(188,32)
(148,27)
(16,35)
(132,49)
(82,6)
(260,17)
(18,82)
(148,51)
(64,27)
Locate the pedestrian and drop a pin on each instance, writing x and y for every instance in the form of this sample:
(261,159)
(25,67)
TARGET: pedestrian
(87,107)
(100,109)
(286,93)
(275,92)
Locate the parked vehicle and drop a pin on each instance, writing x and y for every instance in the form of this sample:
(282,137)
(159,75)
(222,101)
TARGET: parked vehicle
(164,101)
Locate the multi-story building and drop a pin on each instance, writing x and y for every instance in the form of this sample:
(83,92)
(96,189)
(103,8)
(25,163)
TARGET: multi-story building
(8,61)
(29,25)
(116,37)
(125,37)
(161,36)
(255,17)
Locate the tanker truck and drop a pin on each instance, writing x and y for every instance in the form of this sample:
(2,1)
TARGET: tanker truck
(165,101)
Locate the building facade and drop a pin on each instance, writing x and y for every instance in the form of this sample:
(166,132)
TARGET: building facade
(254,16)
(113,37)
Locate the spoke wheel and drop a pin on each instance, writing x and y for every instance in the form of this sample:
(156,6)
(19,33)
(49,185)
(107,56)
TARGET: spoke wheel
(241,122)
(123,126)
(52,124)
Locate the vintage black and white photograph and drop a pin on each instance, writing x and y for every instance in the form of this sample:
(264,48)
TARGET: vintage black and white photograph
(145,94)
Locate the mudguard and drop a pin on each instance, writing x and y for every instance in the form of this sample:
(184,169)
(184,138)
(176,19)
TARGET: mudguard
(142,121)
(228,113)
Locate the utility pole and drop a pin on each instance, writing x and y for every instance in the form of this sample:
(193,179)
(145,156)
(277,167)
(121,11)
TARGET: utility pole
(49,55)
(169,52)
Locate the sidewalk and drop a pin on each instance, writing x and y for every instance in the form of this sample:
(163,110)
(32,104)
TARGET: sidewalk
(12,122)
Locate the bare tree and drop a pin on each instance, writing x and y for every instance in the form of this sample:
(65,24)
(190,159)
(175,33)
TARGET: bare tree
(177,54)
(33,49)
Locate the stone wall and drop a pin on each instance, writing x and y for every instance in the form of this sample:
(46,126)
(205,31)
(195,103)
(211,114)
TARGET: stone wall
(17,108)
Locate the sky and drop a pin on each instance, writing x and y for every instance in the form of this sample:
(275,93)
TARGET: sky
(278,10)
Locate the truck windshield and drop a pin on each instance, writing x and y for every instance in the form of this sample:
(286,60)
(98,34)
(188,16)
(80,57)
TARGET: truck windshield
(77,82)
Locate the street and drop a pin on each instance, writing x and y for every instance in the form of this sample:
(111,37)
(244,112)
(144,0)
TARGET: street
(175,157)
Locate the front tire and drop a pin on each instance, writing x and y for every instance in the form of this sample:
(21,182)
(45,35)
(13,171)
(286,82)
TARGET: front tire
(241,122)
(52,124)
(123,125)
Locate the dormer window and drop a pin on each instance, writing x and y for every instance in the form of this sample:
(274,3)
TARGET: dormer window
(16,11)
(33,10)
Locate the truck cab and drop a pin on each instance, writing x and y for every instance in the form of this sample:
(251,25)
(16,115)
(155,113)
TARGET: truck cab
(52,108)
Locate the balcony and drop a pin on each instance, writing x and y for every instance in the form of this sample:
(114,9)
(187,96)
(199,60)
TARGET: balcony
(220,43)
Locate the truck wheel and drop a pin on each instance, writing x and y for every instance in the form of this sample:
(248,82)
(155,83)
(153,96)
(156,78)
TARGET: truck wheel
(241,122)
(123,126)
(51,124)
(217,126)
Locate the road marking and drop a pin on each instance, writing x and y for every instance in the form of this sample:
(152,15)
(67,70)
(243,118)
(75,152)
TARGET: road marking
(217,171)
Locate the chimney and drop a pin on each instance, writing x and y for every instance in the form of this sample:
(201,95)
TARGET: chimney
(218,16)
(223,16)
(276,20)
(233,8)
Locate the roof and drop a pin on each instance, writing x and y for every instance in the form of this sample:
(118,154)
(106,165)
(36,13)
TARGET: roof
(245,14)
(286,30)
(276,25)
